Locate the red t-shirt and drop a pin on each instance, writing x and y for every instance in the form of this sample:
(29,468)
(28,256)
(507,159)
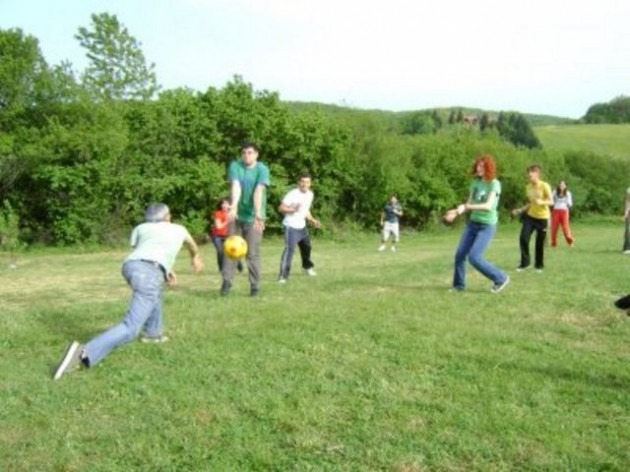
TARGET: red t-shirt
(222,216)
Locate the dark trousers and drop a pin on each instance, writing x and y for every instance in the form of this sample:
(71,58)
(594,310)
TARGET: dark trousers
(254,239)
(292,238)
(218,242)
(626,236)
(218,245)
(529,226)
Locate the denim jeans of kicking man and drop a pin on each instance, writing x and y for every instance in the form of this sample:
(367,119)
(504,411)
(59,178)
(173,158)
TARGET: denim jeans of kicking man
(473,245)
(144,313)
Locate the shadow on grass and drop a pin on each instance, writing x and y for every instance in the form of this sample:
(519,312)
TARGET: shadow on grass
(74,325)
(560,372)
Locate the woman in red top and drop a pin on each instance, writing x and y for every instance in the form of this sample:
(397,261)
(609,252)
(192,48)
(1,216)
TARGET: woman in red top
(219,231)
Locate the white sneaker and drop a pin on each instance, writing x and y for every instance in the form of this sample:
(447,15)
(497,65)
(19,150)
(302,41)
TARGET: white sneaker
(496,288)
(71,360)
(627,251)
(393,248)
(381,247)
(282,281)
(310,272)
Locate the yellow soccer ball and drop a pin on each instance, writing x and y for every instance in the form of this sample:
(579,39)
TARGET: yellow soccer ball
(235,247)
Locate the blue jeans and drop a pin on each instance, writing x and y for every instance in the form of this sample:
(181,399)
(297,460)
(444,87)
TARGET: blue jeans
(144,312)
(292,238)
(473,244)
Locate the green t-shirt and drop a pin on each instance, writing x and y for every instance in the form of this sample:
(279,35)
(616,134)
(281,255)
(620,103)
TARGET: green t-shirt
(479,191)
(249,180)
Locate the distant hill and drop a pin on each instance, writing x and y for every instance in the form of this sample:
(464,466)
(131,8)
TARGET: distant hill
(444,112)
(611,140)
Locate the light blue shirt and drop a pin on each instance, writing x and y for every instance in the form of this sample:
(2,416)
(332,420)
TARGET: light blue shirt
(158,242)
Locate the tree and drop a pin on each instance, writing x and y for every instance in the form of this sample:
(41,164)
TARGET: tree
(451,117)
(484,122)
(615,111)
(516,129)
(117,68)
(22,70)
(419,123)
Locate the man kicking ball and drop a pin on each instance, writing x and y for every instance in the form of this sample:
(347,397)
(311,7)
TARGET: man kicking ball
(147,270)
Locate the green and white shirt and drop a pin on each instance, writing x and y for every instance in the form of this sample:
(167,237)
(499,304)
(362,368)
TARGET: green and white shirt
(479,192)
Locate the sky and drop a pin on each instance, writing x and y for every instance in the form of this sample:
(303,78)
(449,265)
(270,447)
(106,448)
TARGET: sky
(555,57)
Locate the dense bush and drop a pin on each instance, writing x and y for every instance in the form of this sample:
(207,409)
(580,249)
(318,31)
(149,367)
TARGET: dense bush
(78,166)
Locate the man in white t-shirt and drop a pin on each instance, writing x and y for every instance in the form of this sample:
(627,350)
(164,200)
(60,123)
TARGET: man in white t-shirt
(147,270)
(296,208)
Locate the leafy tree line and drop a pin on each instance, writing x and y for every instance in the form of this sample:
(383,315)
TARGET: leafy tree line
(81,155)
(616,111)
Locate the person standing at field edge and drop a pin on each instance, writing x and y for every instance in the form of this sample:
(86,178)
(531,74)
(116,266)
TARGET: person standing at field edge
(390,217)
(562,204)
(296,208)
(249,180)
(147,270)
(626,216)
(483,201)
(535,217)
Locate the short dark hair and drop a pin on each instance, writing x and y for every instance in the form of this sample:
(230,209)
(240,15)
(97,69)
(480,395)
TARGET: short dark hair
(304,175)
(534,167)
(156,212)
(249,144)
(220,202)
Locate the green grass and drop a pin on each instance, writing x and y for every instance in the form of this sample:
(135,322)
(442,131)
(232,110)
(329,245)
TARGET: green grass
(611,140)
(371,365)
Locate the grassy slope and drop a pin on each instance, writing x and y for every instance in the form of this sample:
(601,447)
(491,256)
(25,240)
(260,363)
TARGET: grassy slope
(613,140)
(372,365)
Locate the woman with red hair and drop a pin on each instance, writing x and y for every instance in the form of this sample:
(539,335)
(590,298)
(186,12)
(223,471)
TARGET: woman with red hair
(483,201)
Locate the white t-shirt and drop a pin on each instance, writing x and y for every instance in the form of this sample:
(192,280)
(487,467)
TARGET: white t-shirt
(297,220)
(562,203)
(158,242)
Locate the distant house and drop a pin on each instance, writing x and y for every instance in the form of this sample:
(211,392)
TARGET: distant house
(470,119)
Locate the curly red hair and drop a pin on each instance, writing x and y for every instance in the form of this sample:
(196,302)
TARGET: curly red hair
(490,167)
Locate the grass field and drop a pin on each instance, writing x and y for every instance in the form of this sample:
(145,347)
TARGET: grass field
(611,140)
(371,365)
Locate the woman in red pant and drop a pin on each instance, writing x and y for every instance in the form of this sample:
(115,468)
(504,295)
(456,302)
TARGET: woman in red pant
(562,203)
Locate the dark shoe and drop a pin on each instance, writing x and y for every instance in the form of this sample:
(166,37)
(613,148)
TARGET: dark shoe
(623,303)
(71,360)
(225,288)
(254,292)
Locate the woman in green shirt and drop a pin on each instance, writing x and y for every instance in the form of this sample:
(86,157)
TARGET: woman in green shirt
(482,203)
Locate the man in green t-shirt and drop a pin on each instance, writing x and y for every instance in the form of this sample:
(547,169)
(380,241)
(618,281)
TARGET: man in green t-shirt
(626,215)
(249,180)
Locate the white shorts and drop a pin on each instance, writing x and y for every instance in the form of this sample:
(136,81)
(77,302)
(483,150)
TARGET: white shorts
(391,229)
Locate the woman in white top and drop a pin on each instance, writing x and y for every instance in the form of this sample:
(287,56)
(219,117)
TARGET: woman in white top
(562,204)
